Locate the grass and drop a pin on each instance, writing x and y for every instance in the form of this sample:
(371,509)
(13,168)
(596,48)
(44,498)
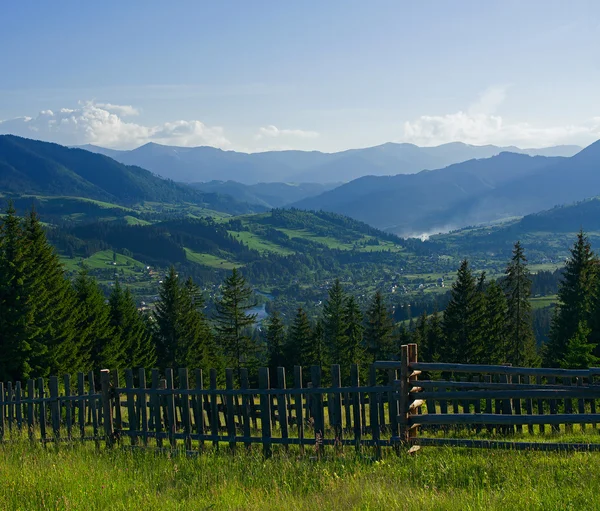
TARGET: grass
(540,302)
(104,260)
(256,242)
(210,260)
(78,477)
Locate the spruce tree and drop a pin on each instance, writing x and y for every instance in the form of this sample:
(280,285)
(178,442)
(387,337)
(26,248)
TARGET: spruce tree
(462,320)
(521,349)
(435,339)
(14,311)
(575,299)
(379,330)
(353,351)
(182,334)
(495,348)
(196,345)
(50,303)
(167,315)
(94,331)
(334,328)
(131,328)
(419,335)
(233,321)
(276,337)
(579,353)
(300,345)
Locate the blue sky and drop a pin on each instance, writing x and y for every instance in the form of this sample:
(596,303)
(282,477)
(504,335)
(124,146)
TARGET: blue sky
(325,75)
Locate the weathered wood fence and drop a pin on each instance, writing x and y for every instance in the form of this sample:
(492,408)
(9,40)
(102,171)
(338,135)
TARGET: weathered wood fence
(497,400)
(179,411)
(418,403)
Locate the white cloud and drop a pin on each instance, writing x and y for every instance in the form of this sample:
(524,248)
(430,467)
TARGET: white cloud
(479,125)
(274,132)
(123,110)
(102,124)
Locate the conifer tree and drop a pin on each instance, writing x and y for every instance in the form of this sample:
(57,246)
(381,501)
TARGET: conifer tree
(196,346)
(462,319)
(14,314)
(232,319)
(353,351)
(131,328)
(334,328)
(521,349)
(420,334)
(495,347)
(579,353)
(50,303)
(93,327)
(575,299)
(379,329)
(182,335)
(435,338)
(300,344)
(276,352)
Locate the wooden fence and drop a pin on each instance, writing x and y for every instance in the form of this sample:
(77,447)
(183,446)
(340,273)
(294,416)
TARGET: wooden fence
(170,413)
(417,404)
(496,400)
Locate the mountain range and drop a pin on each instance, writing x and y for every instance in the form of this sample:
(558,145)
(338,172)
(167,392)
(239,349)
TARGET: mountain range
(467,193)
(32,167)
(202,164)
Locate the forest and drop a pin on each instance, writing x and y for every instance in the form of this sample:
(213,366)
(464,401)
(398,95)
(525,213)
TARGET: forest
(52,324)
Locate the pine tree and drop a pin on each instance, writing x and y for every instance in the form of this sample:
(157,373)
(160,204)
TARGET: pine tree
(462,320)
(419,335)
(93,327)
(521,349)
(276,337)
(232,319)
(196,345)
(182,335)
(334,328)
(579,351)
(131,328)
(353,351)
(50,303)
(379,330)
(435,338)
(168,320)
(575,299)
(299,345)
(495,343)
(14,313)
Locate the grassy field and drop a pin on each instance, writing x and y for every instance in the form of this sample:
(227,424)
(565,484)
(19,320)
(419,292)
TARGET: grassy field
(104,260)
(210,260)
(79,478)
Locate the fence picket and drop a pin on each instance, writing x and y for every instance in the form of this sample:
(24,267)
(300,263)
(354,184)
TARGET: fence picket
(30,409)
(230,410)
(265,411)
(245,384)
(155,409)
(131,411)
(355,382)
(282,405)
(298,403)
(42,410)
(143,405)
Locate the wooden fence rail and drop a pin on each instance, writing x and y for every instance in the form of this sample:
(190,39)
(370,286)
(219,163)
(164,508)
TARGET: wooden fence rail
(147,409)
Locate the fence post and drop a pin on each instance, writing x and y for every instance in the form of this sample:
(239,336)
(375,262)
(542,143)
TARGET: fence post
(404,397)
(265,410)
(412,376)
(106,407)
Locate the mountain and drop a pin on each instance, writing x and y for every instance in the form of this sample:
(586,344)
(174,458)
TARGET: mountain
(203,164)
(417,203)
(31,167)
(269,195)
(467,193)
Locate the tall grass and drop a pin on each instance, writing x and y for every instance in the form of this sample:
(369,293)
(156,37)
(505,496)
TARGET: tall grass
(79,477)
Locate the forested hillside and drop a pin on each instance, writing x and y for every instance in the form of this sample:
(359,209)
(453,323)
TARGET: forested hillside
(30,167)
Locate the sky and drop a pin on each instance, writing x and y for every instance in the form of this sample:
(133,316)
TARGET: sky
(311,75)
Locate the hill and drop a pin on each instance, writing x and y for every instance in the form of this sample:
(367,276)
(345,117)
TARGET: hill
(203,164)
(31,167)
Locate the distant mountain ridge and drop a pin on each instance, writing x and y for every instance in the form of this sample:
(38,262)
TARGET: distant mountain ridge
(204,164)
(268,195)
(467,193)
(42,168)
